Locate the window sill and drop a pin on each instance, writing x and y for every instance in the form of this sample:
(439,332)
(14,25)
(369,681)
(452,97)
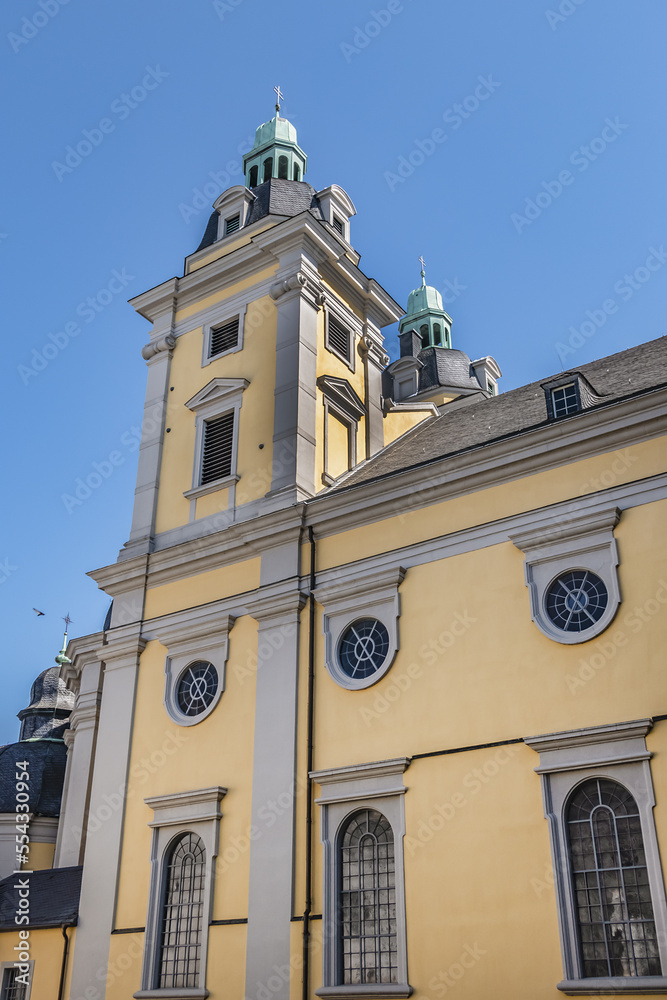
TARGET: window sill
(392,991)
(181,993)
(632,985)
(218,484)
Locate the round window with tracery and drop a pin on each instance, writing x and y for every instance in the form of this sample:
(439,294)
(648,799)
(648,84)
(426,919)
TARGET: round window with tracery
(363,648)
(575,601)
(196,688)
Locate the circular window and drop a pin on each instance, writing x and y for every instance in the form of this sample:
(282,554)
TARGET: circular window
(196,688)
(575,601)
(363,648)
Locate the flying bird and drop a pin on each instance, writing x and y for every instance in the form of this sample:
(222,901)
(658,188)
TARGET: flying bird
(37,612)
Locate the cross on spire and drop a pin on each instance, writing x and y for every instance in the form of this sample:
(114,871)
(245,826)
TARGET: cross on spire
(423,264)
(68,622)
(279,96)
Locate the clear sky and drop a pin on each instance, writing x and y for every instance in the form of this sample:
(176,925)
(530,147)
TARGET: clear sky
(519,146)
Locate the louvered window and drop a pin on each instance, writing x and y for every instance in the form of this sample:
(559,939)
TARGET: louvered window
(338,225)
(224,337)
(338,338)
(218,447)
(232,225)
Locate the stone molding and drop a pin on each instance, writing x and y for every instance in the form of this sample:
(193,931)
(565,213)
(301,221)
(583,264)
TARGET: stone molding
(201,637)
(178,808)
(165,343)
(571,541)
(276,604)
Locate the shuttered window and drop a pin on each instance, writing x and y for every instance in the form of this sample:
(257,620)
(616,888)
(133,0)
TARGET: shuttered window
(218,447)
(338,225)
(232,225)
(338,337)
(224,337)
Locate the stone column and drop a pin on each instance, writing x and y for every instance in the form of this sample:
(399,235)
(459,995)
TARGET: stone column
(80,739)
(274,781)
(106,812)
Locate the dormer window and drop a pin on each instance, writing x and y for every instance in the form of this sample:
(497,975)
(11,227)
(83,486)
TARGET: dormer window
(232,225)
(565,400)
(338,225)
(491,387)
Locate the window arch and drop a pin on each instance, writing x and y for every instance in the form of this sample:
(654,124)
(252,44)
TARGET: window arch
(297,172)
(268,168)
(182,913)
(437,339)
(253,177)
(423,329)
(614,912)
(367,900)
(283,167)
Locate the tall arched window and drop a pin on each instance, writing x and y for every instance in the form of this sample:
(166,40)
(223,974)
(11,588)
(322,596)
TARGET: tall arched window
(253,176)
(182,913)
(367,900)
(423,329)
(268,168)
(617,935)
(437,339)
(297,172)
(283,167)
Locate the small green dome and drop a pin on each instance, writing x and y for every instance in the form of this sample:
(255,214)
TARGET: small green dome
(424,298)
(275,154)
(277,129)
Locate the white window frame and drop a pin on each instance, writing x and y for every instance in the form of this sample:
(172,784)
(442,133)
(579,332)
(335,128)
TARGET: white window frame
(571,542)
(372,595)
(345,791)
(203,638)
(216,319)
(220,396)
(12,965)
(352,426)
(617,752)
(176,814)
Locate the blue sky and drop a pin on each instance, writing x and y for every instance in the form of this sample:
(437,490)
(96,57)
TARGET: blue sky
(520,147)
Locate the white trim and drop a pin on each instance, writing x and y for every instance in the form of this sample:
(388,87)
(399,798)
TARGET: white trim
(617,751)
(218,317)
(571,542)
(345,791)
(352,427)
(175,814)
(220,396)
(363,596)
(204,638)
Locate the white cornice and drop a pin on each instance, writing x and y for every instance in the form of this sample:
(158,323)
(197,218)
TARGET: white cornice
(593,734)
(374,769)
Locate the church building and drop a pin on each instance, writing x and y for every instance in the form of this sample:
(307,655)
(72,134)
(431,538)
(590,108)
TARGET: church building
(377,711)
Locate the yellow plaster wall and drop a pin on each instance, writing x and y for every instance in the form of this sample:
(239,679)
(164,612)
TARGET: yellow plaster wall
(125,962)
(531,492)
(46,949)
(225,974)
(203,588)
(255,362)
(41,855)
(225,293)
(170,758)
(473,668)
(398,422)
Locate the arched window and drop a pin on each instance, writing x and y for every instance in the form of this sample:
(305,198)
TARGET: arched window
(182,913)
(253,176)
(424,333)
(617,935)
(297,172)
(437,339)
(282,167)
(367,900)
(268,168)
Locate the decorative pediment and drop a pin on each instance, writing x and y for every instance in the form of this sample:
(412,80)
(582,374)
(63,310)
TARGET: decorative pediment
(341,394)
(218,390)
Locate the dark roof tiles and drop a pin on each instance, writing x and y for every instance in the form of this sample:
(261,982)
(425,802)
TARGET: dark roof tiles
(53,898)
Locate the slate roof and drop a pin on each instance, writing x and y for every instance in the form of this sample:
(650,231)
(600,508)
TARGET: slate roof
(273,197)
(463,427)
(54,898)
(47,759)
(446,366)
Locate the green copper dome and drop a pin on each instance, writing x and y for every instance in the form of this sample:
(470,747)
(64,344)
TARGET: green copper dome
(276,153)
(426,315)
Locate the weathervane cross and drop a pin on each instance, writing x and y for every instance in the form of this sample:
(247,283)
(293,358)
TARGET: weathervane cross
(68,621)
(279,96)
(422,262)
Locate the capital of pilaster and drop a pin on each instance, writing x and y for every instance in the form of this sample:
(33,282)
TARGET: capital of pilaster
(277,604)
(167,342)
